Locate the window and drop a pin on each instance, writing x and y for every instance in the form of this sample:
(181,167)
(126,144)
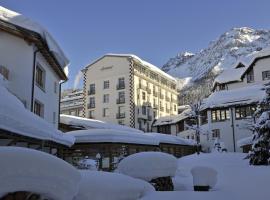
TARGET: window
(121,112)
(55,87)
(92,89)
(143,95)
(92,102)
(216,133)
(121,83)
(222,87)
(106,84)
(244,111)
(166,129)
(4,71)
(40,77)
(105,112)
(121,97)
(39,108)
(250,76)
(266,75)
(220,115)
(91,114)
(121,122)
(54,117)
(203,117)
(174,106)
(106,98)
(144,110)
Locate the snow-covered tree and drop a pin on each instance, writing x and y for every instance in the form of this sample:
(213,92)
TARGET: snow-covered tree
(260,153)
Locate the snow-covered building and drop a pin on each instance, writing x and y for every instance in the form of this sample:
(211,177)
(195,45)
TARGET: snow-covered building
(227,113)
(33,63)
(175,125)
(72,103)
(20,127)
(124,89)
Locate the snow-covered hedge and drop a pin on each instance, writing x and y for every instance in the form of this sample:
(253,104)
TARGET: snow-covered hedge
(23,169)
(204,176)
(148,165)
(96,185)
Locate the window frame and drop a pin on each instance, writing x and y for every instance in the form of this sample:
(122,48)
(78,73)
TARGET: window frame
(40,111)
(40,81)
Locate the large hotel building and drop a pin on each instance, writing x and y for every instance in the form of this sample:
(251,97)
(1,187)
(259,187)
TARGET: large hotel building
(126,90)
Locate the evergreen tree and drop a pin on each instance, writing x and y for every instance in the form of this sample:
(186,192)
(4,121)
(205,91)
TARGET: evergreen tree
(260,153)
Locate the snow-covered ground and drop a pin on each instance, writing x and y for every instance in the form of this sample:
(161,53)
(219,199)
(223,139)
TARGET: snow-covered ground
(237,180)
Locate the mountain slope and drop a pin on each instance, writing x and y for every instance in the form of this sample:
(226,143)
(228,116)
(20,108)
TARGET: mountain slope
(199,70)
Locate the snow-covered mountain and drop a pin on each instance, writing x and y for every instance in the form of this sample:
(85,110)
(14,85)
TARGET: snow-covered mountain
(196,70)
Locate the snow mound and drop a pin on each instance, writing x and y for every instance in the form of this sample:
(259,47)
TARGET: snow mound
(111,186)
(245,141)
(148,165)
(25,169)
(204,176)
(15,118)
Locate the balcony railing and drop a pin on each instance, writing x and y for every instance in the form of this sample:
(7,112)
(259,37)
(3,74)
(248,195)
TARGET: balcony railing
(120,115)
(120,101)
(91,92)
(90,105)
(120,86)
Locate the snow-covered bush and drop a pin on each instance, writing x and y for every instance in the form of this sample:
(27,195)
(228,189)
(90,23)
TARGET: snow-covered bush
(97,185)
(204,177)
(148,165)
(34,171)
(260,153)
(219,146)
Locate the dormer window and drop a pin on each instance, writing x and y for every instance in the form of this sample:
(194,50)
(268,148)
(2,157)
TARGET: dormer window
(266,75)
(250,76)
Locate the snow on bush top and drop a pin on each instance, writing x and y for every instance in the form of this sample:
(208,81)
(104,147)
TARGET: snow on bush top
(24,22)
(15,118)
(111,186)
(24,169)
(204,176)
(148,165)
(245,141)
(92,123)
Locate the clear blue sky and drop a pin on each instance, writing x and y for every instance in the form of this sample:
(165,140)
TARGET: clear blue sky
(155,30)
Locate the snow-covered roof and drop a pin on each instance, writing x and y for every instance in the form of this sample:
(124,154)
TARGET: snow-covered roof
(170,139)
(245,141)
(24,22)
(112,136)
(15,118)
(230,75)
(172,119)
(145,63)
(24,169)
(92,123)
(245,95)
(117,136)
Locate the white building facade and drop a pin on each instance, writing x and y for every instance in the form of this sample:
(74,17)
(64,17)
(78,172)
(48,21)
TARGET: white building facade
(32,68)
(227,114)
(72,103)
(127,90)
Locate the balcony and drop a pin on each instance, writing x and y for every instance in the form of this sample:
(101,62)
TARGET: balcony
(155,94)
(140,86)
(120,101)
(161,108)
(91,92)
(90,105)
(120,115)
(161,96)
(120,86)
(149,118)
(168,99)
(155,106)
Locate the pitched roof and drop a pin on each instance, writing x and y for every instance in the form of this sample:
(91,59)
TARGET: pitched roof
(173,119)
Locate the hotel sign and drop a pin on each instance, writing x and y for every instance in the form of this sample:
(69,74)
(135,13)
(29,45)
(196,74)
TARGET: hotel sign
(106,68)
